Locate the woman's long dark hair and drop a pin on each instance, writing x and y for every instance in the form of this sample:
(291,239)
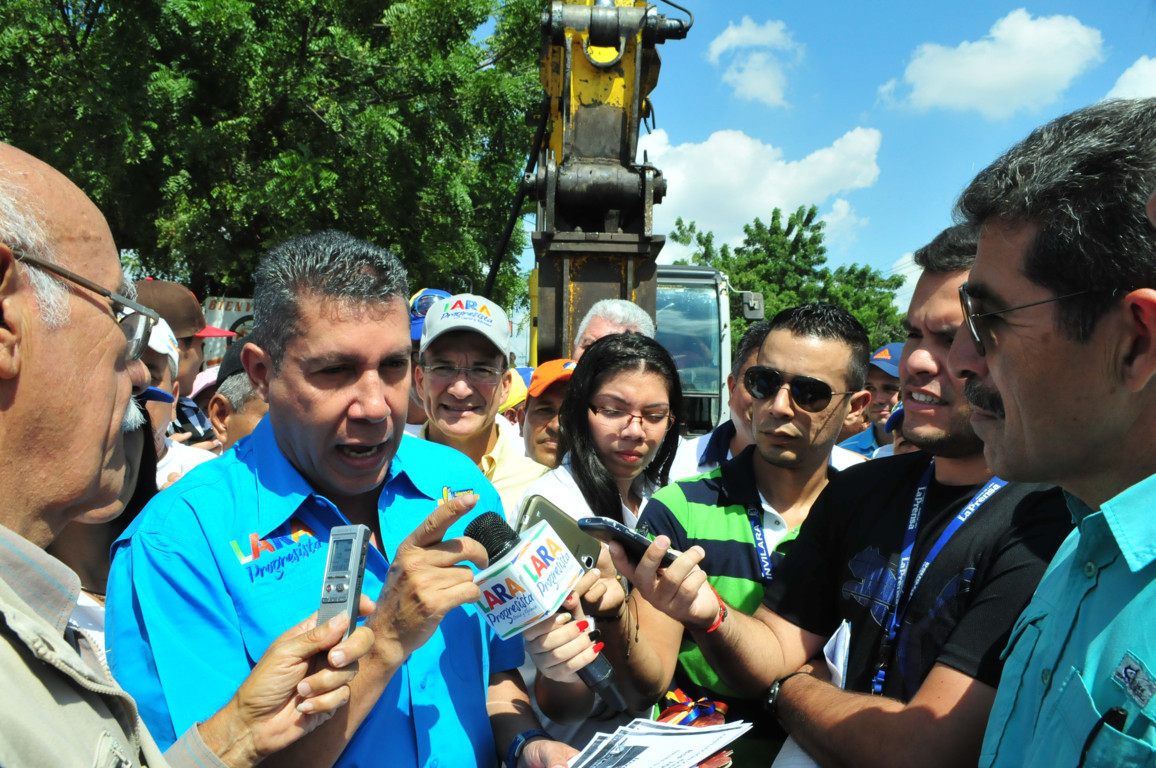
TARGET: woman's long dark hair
(605,358)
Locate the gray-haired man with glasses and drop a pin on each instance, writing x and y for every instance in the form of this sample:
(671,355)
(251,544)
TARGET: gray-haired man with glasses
(1060,363)
(462,378)
(69,362)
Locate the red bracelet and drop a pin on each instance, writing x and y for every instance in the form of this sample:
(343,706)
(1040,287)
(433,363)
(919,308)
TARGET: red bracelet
(722,614)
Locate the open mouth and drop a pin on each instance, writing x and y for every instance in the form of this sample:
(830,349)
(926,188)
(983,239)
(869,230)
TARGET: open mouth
(920,397)
(361,451)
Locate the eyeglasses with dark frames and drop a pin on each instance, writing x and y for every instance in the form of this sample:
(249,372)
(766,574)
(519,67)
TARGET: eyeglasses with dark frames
(135,320)
(620,419)
(972,317)
(477,375)
(810,394)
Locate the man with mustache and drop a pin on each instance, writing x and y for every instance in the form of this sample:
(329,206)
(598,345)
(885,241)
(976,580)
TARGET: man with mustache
(1060,360)
(925,556)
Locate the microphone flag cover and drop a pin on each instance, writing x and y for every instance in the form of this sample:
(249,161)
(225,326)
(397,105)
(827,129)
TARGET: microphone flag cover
(528,577)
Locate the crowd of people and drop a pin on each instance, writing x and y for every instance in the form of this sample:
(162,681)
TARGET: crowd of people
(933,551)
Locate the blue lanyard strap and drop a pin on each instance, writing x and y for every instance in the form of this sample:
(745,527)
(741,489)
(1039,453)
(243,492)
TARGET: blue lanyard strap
(756,518)
(900,600)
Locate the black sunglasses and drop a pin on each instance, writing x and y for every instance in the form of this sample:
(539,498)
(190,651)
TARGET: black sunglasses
(809,394)
(973,317)
(136,320)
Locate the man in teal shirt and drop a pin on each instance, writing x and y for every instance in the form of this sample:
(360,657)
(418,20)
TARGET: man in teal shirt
(1059,354)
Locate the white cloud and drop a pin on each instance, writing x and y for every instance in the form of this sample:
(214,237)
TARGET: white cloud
(1023,63)
(1137,82)
(842,225)
(748,34)
(753,71)
(731,178)
(758,77)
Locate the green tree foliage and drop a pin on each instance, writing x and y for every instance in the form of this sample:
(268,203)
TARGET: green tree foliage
(210,130)
(786,262)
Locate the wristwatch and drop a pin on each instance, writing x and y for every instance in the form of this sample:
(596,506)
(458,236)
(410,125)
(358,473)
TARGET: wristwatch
(771,697)
(518,745)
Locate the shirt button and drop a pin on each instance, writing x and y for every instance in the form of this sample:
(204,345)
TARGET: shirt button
(1046,676)
(424,681)
(433,763)
(1090,569)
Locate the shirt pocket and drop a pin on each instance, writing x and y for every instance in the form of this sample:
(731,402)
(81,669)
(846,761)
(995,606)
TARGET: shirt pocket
(1070,729)
(110,753)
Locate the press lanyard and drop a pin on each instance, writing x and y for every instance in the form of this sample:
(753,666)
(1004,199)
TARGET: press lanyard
(900,602)
(756,518)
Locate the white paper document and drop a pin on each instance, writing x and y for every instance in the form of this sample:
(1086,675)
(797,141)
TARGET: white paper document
(650,744)
(836,651)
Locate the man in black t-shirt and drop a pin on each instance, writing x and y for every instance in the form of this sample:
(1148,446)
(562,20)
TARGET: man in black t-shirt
(973,548)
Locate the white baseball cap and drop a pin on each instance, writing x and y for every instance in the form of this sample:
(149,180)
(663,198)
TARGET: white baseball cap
(467,312)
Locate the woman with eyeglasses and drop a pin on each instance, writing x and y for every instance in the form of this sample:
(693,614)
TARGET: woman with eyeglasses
(617,444)
(617,422)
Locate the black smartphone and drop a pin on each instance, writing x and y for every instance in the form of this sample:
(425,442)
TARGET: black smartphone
(635,544)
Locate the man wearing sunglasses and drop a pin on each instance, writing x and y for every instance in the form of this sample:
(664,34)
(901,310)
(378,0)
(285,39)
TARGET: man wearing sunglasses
(69,362)
(463,376)
(807,376)
(925,556)
(1060,362)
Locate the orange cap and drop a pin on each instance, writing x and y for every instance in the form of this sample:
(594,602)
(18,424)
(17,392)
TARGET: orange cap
(549,373)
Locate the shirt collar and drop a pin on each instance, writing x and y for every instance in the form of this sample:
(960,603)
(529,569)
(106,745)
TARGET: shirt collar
(48,586)
(717,445)
(1129,518)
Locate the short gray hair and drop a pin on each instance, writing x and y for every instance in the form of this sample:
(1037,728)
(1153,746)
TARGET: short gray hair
(22,231)
(238,390)
(620,312)
(327,265)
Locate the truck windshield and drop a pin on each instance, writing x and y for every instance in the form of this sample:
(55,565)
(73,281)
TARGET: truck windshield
(687,319)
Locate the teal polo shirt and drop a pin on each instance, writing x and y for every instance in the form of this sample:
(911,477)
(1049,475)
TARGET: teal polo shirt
(1085,644)
(219,565)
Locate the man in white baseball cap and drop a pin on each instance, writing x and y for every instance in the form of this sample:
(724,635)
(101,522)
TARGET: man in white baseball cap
(463,376)
(162,359)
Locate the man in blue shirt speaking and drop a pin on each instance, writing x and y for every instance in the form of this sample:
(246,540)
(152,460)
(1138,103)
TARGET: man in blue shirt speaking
(220,564)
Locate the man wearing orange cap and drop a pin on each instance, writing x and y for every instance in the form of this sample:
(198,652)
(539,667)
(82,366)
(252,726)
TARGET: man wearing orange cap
(543,401)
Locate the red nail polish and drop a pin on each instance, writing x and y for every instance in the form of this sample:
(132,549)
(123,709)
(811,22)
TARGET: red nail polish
(583,625)
(598,647)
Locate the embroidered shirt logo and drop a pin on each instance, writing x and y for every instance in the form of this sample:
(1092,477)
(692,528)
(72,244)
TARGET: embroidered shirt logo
(449,493)
(1135,679)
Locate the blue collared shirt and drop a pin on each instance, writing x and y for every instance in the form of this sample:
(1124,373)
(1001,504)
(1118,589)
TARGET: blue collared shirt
(862,443)
(1084,645)
(222,563)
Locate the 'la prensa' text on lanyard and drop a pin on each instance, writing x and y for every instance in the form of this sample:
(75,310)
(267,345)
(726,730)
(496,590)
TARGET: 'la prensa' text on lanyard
(901,600)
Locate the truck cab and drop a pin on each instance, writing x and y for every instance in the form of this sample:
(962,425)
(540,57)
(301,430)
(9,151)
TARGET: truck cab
(693,322)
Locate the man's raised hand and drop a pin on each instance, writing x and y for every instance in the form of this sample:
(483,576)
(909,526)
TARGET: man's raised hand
(427,579)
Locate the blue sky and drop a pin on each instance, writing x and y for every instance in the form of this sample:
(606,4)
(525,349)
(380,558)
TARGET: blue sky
(879,113)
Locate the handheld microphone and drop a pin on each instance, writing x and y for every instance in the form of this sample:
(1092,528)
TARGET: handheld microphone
(493,532)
